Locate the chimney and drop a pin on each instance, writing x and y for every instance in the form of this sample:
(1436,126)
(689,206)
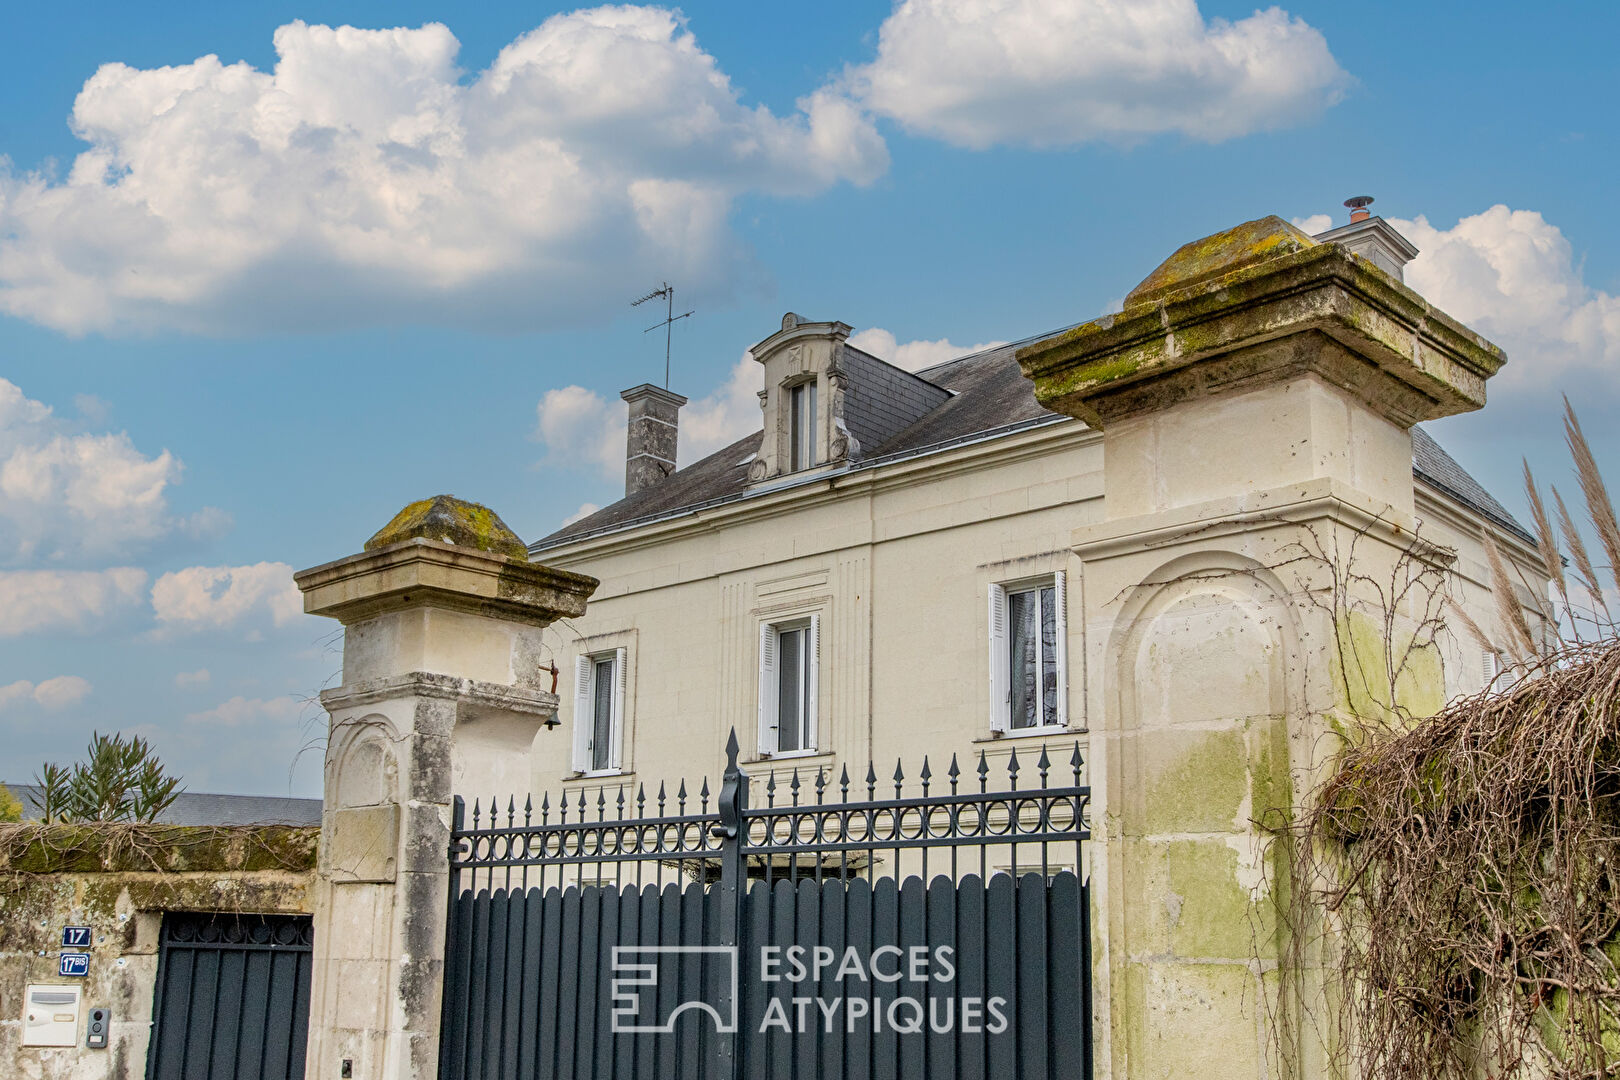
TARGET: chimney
(649,453)
(1373,238)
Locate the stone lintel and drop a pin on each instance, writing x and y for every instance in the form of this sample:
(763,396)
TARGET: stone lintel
(473,693)
(420,572)
(1406,359)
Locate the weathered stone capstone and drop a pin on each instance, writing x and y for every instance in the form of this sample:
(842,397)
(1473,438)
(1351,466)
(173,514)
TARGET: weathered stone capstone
(1264,303)
(446,681)
(453,521)
(1218,254)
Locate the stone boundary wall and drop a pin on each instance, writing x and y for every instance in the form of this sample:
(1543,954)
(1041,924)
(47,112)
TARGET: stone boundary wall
(119,880)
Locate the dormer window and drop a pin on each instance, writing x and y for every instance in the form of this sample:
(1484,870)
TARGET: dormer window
(823,402)
(802,426)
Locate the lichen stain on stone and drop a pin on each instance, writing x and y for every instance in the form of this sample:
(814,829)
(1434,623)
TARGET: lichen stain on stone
(452,521)
(1218,909)
(1361,664)
(1220,254)
(1202,788)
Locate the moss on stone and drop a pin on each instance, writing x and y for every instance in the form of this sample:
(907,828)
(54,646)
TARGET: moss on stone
(1361,666)
(452,521)
(1202,788)
(1217,918)
(1220,254)
(32,848)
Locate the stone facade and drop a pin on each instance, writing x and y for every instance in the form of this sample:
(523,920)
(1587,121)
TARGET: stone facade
(1234,473)
(1241,436)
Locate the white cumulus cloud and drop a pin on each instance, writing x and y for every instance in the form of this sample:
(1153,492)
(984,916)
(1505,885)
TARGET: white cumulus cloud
(237,711)
(585,510)
(581,428)
(367,178)
(1048,73)
(1513,276)
(912,355)
(45,600)
(73,495)
(723,415)
(218,597)
(1316,223)
(56,693)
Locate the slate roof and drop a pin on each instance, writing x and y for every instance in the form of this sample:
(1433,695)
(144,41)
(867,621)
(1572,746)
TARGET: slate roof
(990,396)
(202,808)
(1440,470)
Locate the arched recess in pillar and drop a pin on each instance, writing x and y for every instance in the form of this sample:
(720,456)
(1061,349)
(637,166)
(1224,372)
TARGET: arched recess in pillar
(361,762)
(1207,636)
(1203,691)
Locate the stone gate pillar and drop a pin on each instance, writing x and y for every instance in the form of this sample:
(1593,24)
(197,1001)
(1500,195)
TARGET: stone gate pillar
(443,692)
(1256,398)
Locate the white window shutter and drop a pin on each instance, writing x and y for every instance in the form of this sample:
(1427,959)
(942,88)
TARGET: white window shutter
(582,713)
(1060,599)
(1487,667)
(1000,692)
(812,676)
(620,665)
(767,689)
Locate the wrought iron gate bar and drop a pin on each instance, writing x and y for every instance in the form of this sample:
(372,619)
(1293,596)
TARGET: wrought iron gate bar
(960,819)
(543,898)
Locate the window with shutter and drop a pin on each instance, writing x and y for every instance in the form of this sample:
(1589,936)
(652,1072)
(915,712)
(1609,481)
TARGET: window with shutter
(789,678)
(999,694)
(767,689)
(583,720)
(599,696)
(1028,635)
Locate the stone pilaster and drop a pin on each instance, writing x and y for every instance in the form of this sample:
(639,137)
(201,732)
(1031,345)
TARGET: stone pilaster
(442,693)
(1256,398)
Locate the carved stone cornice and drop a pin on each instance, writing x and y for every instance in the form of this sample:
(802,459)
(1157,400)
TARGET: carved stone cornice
(1279,305)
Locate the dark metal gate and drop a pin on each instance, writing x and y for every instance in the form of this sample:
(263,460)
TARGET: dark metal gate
(232,1000)
(941,934)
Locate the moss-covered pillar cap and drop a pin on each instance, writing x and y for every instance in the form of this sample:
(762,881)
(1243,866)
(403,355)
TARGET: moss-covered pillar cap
(1194,326)
(444,552)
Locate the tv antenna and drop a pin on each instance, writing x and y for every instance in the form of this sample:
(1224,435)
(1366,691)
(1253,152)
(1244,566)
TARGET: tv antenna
(666,292)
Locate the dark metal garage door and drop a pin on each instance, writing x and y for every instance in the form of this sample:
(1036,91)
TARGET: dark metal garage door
(232,998)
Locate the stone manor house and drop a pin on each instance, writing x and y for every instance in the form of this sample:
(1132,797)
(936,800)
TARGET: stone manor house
(889,563)
(1175,549)
(1183,537)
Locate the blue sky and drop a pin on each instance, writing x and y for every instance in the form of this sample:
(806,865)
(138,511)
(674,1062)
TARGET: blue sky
(248,311)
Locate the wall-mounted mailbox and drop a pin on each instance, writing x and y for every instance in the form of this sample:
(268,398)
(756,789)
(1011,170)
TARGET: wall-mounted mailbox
(95,1032)
(51,1015)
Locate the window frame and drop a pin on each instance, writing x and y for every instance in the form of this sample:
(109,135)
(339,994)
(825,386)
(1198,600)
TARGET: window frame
(801,428)
(770,671)
(1000,657)
(585,718)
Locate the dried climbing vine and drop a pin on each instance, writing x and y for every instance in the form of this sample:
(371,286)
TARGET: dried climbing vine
(1457,880)
(1472,868)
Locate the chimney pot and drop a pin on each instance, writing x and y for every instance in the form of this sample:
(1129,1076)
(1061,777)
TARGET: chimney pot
(1372,238)
(650,437)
